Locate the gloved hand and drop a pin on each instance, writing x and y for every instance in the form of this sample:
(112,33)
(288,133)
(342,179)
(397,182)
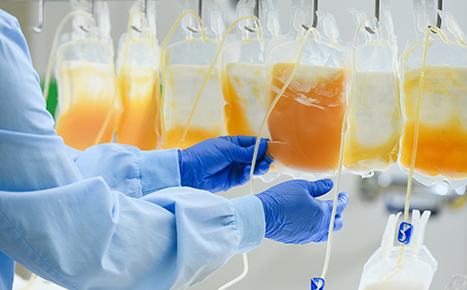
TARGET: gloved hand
(221,163)
(294,216)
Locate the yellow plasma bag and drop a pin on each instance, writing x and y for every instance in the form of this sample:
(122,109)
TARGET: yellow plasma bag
(139,81)
(185,66)
(243,69)
(89,104)
(441,155)
(139,125)
(86,96)
(375,116)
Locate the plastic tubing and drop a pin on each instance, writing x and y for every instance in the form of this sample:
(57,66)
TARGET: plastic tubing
(55,44)
(417,120)
(211,67)
(343,130)
(417,127)
(127,44)
(258,30)
(341,155)
(417,113)
(261,129)
(163,52)
(31,279)
(239,278)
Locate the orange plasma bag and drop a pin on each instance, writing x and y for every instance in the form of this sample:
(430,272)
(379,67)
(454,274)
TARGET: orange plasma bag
(138,67)
(305,124)
(89,104)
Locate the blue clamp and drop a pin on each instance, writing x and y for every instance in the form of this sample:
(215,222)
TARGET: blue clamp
(317,284)
(405,233)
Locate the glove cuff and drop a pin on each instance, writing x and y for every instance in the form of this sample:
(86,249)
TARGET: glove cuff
(267,213)
(184,172)
(180,166)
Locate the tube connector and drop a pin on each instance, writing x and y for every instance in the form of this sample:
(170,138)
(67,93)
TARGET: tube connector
(317,284)
(405,233)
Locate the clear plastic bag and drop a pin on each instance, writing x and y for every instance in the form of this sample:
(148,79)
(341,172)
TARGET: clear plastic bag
(405,267)
(243,69)
(186,64)
(305,124)
(138,65)
(375,116)
(442,132)
(89,104)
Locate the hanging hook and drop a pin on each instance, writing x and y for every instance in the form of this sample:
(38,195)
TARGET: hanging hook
(38,28)
(315,16)
(92,11)
(200,14)
(440,7)
(200,9)
(256,11)
(250,29)
(193,29)
(377,10)
(145,8)
(144,11)
(438,22)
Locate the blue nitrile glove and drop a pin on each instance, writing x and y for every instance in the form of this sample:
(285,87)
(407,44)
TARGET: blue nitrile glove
(221,163)
(294,216)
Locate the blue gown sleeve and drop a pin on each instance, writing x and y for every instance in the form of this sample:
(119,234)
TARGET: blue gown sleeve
(84,236)
(127,169)
(81,233)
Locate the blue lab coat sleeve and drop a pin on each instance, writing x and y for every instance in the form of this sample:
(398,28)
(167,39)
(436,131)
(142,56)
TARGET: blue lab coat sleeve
(127,169)
(61,219)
